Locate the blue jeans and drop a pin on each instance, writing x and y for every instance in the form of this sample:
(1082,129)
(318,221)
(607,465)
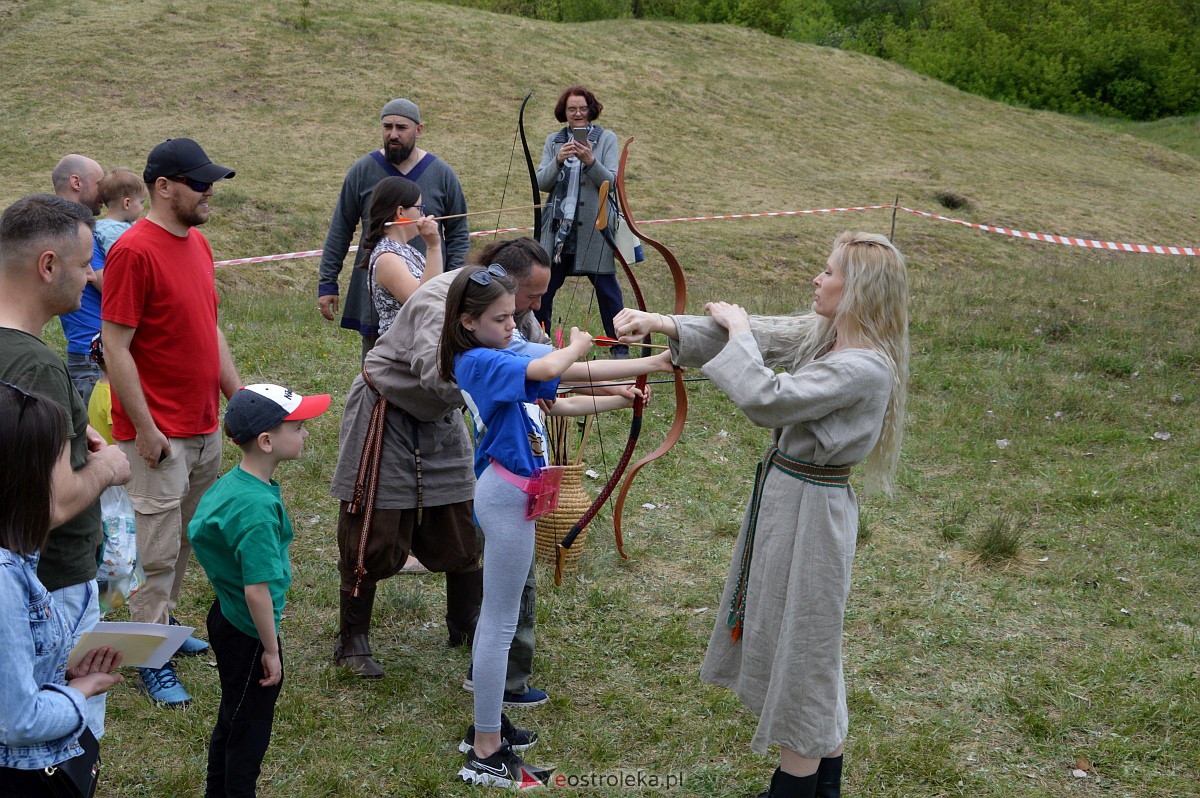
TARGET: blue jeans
(80,605)
(84,376)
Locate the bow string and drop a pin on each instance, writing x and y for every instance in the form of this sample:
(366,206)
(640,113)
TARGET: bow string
(635,426)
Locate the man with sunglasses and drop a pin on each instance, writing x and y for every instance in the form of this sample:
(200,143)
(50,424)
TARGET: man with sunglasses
(440,190)
(167,360)
(45,261)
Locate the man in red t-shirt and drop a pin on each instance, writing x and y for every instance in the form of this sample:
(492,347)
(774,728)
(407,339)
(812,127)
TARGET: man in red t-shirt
(166,360)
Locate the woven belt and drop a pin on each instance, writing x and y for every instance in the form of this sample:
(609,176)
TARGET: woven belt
(823,476)
(829,476)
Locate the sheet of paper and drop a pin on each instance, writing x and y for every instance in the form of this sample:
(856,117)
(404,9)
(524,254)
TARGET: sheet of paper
(147,645)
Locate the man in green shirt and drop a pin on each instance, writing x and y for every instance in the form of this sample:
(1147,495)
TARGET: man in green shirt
(45,261)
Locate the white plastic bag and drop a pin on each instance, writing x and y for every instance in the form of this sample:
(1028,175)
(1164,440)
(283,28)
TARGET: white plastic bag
(118,572)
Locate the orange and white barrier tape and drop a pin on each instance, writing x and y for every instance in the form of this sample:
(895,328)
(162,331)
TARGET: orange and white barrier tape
(1051,238)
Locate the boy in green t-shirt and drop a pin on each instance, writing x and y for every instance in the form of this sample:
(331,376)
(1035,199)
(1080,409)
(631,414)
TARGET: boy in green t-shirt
(240,534)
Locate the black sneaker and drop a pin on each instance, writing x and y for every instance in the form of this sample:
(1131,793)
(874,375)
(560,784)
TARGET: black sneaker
(510,735)
(503,769)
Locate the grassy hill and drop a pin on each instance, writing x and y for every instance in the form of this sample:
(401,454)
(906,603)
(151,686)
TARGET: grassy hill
(972,669)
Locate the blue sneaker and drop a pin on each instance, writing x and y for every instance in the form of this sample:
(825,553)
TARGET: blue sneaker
(532,697)
(163,687)
(192,647)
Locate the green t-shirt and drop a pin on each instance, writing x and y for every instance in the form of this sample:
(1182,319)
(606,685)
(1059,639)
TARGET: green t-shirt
(69,557)
(240,534)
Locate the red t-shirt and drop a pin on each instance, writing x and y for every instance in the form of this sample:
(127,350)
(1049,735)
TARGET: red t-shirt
(163,285)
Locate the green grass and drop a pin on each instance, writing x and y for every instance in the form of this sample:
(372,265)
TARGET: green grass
(964,678)
(1180,133)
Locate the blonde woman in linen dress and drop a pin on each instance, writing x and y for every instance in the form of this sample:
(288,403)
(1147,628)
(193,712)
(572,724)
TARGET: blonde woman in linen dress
(839,400)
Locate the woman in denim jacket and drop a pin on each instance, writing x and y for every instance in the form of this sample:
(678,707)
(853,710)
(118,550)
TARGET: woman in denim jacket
(42,711)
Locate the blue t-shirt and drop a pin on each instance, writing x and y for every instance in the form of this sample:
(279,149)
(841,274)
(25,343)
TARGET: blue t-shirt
(513,432)
(522,346)
(108,231)
(82,325)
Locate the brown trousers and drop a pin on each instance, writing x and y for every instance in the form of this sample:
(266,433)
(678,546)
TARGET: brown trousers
(444,541)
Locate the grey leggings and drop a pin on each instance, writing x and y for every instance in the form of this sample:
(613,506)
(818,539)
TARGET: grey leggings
(507,556)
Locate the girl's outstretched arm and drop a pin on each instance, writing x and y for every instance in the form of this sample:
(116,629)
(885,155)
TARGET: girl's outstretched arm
(553,365)
(594,370)
(588,405)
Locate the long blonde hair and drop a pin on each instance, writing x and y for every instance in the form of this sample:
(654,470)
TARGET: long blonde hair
(873,310)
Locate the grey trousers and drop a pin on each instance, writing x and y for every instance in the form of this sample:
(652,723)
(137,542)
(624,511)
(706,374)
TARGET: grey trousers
(520,653)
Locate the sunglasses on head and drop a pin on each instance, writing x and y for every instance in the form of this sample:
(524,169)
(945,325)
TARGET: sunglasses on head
(195,185)
(484,276)
(25,397)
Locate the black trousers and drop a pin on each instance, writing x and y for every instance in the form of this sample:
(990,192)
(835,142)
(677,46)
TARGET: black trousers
(243,731)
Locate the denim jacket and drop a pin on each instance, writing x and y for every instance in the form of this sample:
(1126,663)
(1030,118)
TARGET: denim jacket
(40,717)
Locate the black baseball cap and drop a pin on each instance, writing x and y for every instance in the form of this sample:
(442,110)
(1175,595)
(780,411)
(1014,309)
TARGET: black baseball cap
(183,157)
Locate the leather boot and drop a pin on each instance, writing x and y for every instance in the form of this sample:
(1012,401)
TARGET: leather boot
(829,777)
(785,785)
(464,596)
(353,648)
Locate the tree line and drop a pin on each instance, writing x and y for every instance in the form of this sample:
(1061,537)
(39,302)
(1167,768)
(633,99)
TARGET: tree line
(1136,59)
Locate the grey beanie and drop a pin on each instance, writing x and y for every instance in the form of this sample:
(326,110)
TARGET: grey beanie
(401,107)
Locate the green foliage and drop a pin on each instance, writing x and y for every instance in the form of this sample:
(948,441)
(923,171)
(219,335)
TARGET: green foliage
(1133,60)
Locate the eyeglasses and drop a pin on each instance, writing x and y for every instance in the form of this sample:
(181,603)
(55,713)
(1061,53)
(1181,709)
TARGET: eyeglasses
(25,397)
(194,185)
(484,276)
(420,208)
(577,111)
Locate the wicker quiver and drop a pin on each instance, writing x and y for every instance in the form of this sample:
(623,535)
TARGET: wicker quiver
(573,501)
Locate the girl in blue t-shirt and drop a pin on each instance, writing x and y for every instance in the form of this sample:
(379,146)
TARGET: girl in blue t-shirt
(505,387)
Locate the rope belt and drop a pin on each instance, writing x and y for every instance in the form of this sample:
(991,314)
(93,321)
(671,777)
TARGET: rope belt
(822,476)
(366,482)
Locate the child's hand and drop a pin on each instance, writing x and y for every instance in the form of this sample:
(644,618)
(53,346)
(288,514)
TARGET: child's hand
(272,669)
(581,342)
(635,394)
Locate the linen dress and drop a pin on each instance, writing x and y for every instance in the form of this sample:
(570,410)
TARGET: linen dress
(787,667)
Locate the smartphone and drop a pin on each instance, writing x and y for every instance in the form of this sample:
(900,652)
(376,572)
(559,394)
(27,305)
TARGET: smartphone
(580,133)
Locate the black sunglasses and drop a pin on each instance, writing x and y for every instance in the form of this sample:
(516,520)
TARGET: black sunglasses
(484,276)
(194,185)
(25,397)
